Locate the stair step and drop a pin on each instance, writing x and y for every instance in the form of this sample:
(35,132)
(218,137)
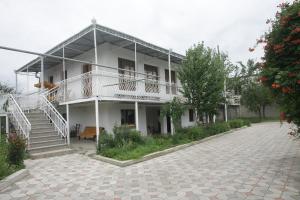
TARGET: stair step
(44,133)
(39,126)
(46,143)
(51,153)
(36,138)
(33,150)
(41,129)
(40,120)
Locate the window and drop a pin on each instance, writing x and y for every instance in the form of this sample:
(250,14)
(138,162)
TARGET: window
(127,117)
(151,83)
(126,74)
(191,115)
(51,79)
(173,81)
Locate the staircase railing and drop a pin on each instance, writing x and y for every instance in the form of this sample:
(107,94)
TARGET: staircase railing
(58,121)
(19,119)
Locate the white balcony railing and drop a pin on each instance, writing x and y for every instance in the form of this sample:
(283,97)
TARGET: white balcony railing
(110,85)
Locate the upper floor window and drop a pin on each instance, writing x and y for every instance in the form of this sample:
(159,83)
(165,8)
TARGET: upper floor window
(151,82)
(126,74)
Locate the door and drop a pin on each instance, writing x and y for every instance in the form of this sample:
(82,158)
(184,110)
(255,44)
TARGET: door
(87,80)
(126,74)
(151,82)
(173,82)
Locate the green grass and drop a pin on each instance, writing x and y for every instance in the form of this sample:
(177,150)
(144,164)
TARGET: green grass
(5,169)
(130,145)
(135,151)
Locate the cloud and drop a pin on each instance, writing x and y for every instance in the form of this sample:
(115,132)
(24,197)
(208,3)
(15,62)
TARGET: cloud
(39,25)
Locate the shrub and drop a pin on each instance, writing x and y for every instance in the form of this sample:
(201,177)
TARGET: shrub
(16,150)
(216,128)
(105,141)
(124,134)
(236,123)
(246,122)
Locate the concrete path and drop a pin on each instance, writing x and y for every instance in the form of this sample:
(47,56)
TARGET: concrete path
(260,162)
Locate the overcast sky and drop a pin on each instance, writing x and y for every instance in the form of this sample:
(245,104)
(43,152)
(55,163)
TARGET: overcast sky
(38,25)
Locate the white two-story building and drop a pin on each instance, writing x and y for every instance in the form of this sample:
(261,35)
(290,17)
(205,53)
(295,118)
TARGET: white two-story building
(105,78)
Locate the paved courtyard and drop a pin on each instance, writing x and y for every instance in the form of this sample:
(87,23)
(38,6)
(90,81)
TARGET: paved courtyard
(260,162)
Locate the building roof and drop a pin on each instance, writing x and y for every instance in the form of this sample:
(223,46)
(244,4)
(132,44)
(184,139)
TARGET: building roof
(84,41)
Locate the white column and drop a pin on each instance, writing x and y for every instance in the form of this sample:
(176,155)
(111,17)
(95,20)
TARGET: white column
(64,73)
(97,89)
(68,123)
(27,81)
(95,46)
(16,81)
(97,120)
(136,116)
(42,74)
(7,124)
(170,88)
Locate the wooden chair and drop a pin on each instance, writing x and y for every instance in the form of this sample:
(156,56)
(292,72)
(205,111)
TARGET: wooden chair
(89,133)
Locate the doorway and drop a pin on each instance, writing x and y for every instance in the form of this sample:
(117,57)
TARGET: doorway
(153,120)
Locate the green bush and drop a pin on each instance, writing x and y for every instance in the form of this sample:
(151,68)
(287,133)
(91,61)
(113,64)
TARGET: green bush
(236,123)
(124,134)
(246,122)
(216,128)
(16,150)
(4,167)
(105,141)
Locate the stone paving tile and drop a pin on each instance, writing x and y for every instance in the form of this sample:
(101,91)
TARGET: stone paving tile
(260,162)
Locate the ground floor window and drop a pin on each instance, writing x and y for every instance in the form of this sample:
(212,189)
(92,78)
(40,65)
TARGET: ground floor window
(127,117)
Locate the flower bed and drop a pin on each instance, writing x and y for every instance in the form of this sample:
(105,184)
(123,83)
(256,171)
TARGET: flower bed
(128,144)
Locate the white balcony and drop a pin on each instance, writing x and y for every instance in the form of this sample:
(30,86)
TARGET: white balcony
(113,86)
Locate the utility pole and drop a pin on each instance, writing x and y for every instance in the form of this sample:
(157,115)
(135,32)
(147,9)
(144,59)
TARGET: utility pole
(225,97)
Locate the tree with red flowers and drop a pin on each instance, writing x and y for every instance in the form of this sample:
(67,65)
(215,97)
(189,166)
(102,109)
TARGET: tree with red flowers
(281,64)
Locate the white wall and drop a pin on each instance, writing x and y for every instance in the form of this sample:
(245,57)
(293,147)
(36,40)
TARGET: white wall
(185,121)
(109,115)
(108,55)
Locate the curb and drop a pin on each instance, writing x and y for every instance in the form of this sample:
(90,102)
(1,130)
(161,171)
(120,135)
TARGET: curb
(11,179)
(156,154)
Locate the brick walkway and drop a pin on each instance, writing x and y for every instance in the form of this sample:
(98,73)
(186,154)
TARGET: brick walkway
(260,162)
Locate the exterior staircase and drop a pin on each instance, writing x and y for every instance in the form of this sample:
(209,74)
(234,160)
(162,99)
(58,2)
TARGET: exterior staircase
(44,139)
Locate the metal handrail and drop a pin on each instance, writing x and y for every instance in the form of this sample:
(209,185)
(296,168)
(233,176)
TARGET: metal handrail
(19,116)
(57,119)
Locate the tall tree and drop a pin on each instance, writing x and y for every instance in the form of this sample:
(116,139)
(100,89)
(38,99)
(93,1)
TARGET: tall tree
(281,64)
(256,97)
(202,78)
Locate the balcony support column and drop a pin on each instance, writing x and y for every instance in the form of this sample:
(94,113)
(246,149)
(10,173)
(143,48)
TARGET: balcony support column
(64,72)
(27,81)
(97,120)
(16,74)
(170,87)
(7,124)
(42,73)
(68,123)
(136,115)
(96,59)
